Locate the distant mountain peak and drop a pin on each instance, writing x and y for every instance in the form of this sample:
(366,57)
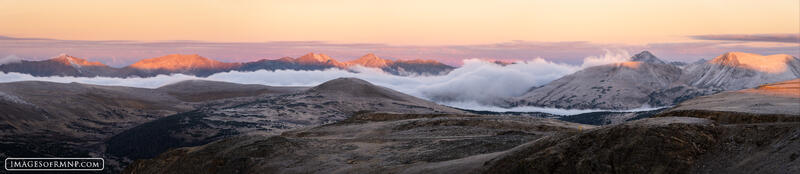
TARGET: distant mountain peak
(285,59)
(315,57)
(646,57)
(370,60)
(776,63)
(74,61)
(180,62)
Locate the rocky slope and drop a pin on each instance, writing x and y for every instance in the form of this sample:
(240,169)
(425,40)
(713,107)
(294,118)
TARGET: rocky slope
(326,103)
(644,81)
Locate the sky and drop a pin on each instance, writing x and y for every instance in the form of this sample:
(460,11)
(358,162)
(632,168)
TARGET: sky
(120,32)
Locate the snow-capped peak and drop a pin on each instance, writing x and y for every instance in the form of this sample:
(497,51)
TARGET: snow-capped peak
(370,60)
(771,64)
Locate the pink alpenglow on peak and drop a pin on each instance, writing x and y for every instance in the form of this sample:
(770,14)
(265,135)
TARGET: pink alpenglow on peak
(370,60)
(181,62)
(774,64)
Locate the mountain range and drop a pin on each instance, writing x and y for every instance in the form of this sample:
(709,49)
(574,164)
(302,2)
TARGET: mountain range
(647,81)
(735,113)
(66,65)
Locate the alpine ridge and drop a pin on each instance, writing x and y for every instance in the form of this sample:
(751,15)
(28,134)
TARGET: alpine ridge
(193,64)
(644,81)
(647,81)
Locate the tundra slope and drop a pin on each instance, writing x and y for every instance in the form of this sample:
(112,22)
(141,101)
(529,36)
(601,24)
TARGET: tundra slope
(364,143)
(328,102)
(45,119)
(767,103)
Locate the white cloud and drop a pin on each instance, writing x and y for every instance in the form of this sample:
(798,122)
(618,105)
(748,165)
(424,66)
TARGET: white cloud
(607,58)
(10,59)
(479,82)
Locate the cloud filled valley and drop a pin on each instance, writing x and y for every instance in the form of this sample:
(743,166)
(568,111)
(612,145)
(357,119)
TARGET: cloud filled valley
(475,85)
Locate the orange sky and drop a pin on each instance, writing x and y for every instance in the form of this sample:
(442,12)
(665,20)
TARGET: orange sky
(407,22)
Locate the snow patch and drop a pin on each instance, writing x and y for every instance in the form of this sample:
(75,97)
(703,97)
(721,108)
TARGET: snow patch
(608,58)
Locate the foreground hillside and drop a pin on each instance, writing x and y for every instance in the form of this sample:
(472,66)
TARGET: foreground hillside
(45,119)
(476,144)
(366,143)
(679,142)
(121,124)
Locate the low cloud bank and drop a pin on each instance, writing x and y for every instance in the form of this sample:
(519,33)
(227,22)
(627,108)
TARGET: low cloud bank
(479,82)
(608,57)
(10,59)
